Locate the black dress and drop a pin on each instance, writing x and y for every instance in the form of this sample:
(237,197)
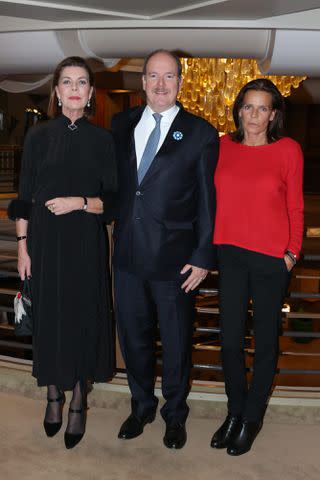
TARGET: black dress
(73,334)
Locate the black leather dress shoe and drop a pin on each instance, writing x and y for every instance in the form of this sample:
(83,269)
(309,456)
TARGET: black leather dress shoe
(133,426)
(225,433)
(175,436)
(243,440)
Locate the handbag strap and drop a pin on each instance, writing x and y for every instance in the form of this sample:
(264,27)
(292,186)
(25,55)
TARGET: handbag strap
(26,288)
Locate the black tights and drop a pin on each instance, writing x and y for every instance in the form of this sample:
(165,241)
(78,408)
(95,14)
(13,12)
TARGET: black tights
(78,402)
(53,411)
(76,420)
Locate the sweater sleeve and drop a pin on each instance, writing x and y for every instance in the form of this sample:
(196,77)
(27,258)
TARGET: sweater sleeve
(295,202)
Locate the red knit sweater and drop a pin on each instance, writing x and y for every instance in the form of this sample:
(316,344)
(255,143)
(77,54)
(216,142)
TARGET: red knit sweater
(260,196)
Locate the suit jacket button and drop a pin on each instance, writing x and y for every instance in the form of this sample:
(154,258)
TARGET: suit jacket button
(138,218)
(138,193)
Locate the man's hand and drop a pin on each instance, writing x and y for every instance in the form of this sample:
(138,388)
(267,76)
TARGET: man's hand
(194,279)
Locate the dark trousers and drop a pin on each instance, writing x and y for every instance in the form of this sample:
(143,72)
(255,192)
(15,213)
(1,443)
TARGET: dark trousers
(244,274)
(140,306)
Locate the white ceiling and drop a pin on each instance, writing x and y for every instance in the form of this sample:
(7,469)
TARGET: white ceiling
(283,35)
(179,10)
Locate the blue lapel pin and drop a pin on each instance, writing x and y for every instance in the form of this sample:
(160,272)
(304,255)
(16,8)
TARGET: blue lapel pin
(177,135)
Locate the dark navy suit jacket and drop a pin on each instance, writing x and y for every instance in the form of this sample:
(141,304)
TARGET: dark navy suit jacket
(167,220)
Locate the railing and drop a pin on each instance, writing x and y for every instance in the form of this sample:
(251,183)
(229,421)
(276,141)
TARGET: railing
(10,163)
(9,280)
(299,359)
(299,343)
(295,358)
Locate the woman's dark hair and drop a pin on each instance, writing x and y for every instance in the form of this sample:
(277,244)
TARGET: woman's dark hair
(53,107)
(276,126)
(173,55)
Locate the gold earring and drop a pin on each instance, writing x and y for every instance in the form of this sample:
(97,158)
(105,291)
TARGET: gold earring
(88,103)
(59,102)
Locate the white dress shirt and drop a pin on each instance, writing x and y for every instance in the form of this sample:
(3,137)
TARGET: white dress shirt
(147,124)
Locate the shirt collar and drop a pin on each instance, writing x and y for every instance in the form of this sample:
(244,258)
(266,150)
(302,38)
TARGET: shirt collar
(167,115)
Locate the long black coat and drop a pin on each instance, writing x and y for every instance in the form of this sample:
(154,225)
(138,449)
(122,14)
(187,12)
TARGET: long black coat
(167,220)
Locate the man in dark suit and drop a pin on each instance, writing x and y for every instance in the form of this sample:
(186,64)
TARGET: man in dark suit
(163,242)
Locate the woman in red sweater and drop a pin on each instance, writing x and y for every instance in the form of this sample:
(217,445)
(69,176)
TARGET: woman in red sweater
(258,233)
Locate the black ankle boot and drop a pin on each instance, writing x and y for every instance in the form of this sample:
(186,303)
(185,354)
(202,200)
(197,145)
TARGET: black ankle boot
(225,433)
(243,440)
(51,428)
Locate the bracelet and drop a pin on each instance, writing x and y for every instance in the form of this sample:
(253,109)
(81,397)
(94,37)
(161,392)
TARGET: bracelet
(292,256)
(85,204)
(23,237)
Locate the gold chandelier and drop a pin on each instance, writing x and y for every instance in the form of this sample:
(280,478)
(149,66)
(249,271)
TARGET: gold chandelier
(210,86)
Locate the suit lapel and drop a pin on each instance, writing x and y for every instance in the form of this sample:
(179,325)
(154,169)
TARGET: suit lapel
(133,121)
(173,137)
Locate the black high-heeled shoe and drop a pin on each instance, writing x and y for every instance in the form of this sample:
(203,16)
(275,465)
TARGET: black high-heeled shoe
(52,428)
(72,439)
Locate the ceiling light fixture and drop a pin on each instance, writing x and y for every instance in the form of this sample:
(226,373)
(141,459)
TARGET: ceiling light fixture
(210,86)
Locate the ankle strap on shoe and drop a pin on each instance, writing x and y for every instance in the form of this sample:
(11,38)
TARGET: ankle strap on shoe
(72,410)
(58,399)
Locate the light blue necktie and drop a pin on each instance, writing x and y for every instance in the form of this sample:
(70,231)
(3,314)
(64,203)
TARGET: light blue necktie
(150,148)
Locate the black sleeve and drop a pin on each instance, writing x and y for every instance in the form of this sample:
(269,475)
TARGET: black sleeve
(109,184)
(21,207)
(204,253)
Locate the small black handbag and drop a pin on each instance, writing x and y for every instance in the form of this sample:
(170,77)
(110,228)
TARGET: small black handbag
(23,310)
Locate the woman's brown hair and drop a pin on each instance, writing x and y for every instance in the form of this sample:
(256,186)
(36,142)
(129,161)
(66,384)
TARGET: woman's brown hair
(53,108)
(276,126)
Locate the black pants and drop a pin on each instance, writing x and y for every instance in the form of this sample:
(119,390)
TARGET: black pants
(140,306)
(244,274)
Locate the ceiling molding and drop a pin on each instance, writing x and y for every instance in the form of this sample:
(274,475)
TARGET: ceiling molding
(18,15)
(74,8)
(282,36)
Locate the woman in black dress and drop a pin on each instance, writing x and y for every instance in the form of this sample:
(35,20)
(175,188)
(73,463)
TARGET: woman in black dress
(68,169)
